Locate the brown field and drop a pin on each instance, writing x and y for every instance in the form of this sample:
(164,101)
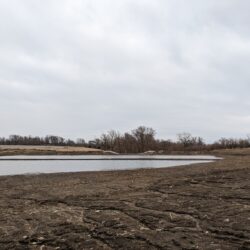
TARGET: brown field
(203,206)
(46,150)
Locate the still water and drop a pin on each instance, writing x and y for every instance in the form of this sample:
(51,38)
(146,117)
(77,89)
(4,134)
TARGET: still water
(16,165)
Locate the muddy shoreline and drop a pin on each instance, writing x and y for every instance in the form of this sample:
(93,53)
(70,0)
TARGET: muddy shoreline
(203,206)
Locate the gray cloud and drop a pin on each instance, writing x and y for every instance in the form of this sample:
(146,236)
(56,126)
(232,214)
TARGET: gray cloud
(80,68)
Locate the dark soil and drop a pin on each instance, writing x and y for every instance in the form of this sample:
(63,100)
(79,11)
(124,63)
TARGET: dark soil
(204,206)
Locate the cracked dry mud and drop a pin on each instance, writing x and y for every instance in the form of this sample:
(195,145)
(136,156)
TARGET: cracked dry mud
(204,206)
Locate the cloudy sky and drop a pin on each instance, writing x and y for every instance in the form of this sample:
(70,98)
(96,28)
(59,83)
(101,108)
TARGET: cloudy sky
(79,68)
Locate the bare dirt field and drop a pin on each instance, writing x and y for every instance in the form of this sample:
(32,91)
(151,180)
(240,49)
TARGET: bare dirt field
(203,206)
(46,150)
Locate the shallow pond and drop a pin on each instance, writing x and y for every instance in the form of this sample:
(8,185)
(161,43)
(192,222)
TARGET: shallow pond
(15,165)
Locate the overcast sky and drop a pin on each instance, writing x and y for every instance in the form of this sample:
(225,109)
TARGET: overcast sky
(79,68)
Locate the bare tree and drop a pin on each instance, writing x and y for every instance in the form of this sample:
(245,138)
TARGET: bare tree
(185,139)
(145,137)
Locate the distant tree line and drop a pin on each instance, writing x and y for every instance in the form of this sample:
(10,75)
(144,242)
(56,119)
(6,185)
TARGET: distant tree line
(139,140)
(36,140)
(143,139)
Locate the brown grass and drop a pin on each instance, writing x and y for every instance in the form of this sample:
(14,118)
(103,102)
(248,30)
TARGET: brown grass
(46,150)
